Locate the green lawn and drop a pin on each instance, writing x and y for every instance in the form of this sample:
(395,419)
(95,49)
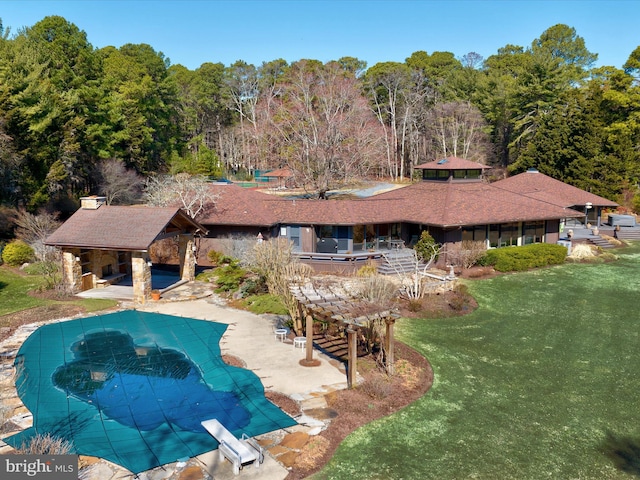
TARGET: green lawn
(529,386)
(13,291)
(14,297)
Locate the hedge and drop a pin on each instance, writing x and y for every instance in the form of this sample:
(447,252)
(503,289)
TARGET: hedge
(517,259)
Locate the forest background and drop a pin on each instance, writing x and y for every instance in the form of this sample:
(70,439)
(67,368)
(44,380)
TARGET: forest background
(76,120)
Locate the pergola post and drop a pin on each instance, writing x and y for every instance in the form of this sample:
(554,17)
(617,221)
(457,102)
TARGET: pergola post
(389,345)
(352,357)
(309,335)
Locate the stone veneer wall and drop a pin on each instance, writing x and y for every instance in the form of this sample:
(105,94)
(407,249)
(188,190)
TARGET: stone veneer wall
(141,275)
(187,256)
(72,270)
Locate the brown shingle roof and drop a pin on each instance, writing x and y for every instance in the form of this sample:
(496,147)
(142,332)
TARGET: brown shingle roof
(279,173)
(452,163)
(119,228)
(430,203)
(539,186)
(449,204)
(241,206)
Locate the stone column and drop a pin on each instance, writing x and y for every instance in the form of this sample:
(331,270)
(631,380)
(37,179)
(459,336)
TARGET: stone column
(71,270)
(141,275)
(187,254)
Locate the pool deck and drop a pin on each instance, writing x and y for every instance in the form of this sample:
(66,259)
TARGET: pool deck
(249,337)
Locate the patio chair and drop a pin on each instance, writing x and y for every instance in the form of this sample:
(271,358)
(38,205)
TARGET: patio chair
(239,451)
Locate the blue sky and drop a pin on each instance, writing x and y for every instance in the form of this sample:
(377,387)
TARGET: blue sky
(191,32)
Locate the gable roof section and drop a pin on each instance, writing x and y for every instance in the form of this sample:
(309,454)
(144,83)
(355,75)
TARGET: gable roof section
(132,228)
(539,186)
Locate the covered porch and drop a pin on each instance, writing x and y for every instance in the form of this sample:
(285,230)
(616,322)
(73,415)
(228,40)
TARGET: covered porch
(107,246)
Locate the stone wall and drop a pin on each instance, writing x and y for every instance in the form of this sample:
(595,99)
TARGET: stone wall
(141,275)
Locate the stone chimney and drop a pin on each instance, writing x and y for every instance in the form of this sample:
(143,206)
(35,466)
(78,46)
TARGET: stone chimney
(92,203)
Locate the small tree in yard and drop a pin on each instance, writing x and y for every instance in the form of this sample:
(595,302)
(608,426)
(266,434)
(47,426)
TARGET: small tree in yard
(274,260)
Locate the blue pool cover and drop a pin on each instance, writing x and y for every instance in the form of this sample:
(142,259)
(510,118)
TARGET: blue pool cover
(132,387)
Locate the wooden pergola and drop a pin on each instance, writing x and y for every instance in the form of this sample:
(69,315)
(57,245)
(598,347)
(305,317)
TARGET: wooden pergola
(352,314)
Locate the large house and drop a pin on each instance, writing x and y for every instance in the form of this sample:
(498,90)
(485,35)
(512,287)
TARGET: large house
(101,244)
(453,202)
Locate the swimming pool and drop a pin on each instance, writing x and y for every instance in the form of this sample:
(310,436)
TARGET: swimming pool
(132,387)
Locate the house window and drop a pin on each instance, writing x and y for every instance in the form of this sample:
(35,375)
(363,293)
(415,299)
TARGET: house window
(293,234)
(476,233)
(533,232)
(494,236)
(325,231)
(508,234)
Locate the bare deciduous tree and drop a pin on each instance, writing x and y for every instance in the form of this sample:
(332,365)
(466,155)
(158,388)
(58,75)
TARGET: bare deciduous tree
(191,192)
(457,129)
(321,126)
(118,184)
(34,230)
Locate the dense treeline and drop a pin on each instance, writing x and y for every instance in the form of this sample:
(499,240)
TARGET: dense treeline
(74,118)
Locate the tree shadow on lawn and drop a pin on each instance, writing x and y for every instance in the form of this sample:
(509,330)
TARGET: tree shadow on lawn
(624,452)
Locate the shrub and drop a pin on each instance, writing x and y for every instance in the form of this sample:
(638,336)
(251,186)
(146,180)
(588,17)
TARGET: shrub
(516,259)
(466,253)
(45,444)
(268,303)
(229,277)
(253,286)
(16,253)
(460,298)
(377,386)
(426,247)
(219,258)
(368,270)
(378,289)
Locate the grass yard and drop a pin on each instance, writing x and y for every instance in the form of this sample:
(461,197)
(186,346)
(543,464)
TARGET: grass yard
(14,288)
(539,382)
(14,297)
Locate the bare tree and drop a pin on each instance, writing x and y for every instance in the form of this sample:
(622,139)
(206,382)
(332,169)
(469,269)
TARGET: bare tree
(34,230)
(118,184)
(322,127)
(457,129)
(191,192)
